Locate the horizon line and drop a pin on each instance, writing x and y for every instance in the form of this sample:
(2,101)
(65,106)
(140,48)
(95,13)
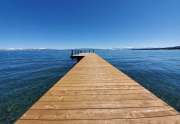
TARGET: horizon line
(83,48)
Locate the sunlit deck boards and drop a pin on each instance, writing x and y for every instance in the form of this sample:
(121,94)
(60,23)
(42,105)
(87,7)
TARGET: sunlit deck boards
(95,92)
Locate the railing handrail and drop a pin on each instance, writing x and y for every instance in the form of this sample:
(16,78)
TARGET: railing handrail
(78,51)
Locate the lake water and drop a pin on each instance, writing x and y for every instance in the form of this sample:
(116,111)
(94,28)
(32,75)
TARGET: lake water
(26,74)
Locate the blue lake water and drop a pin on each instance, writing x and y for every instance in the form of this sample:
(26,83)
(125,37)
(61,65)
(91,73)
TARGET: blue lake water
(26,74)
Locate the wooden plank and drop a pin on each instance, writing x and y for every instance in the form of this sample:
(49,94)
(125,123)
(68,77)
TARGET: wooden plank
(59,92)
(97,104)
(77,98)
(99,87)
(99,114)
(154,120)
(95,84)
(95,92)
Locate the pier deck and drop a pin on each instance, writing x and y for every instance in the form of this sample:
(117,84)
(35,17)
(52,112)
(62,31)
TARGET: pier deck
(95,92)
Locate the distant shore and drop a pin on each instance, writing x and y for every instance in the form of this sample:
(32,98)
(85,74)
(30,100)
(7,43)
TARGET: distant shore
(165,48)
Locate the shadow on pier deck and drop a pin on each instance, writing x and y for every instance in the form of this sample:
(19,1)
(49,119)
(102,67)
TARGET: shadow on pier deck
(95,92)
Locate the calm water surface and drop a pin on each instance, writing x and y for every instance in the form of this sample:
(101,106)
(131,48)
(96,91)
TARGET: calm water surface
(26,75)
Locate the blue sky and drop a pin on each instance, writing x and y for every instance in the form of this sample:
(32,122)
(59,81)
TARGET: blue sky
(89,23)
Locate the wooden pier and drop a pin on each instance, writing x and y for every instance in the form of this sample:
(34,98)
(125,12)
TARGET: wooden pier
(95,92)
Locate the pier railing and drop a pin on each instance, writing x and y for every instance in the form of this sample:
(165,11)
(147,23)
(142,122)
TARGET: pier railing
(79,51)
